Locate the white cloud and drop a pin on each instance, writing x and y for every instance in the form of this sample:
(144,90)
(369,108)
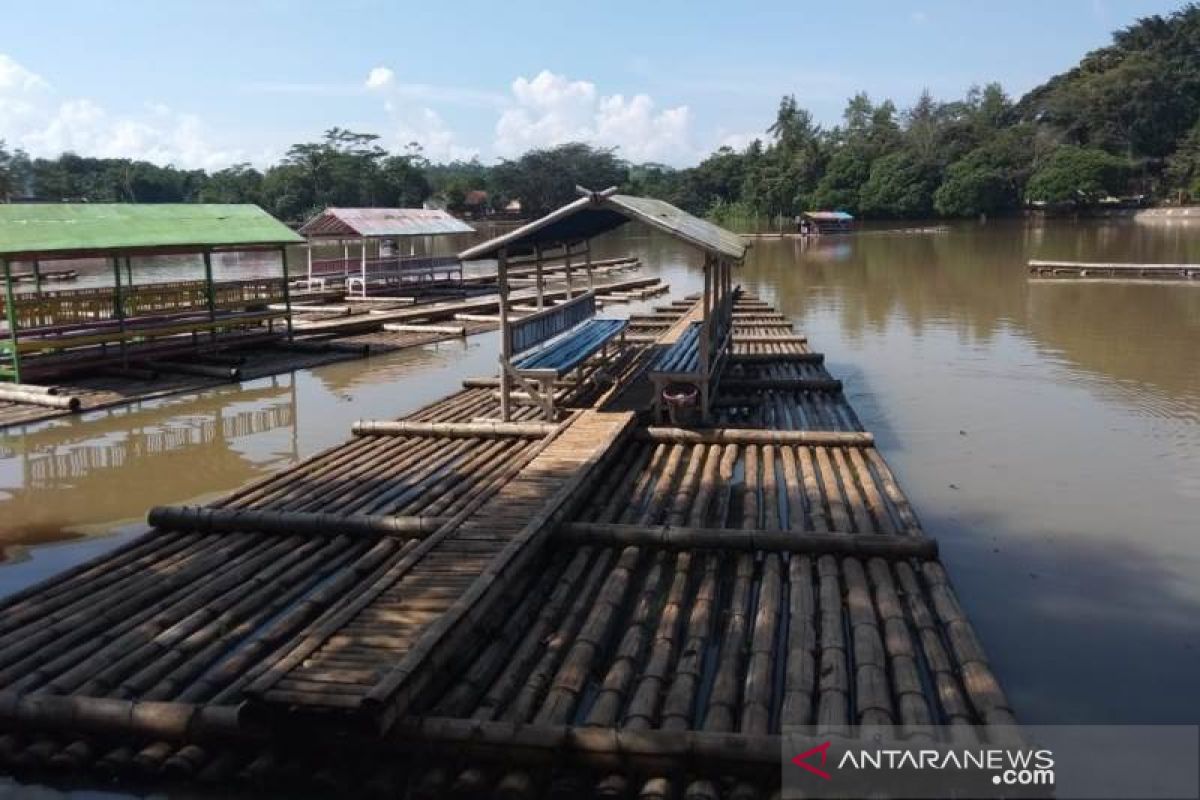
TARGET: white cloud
(551,109)
(425,127)
(380,77)
(34,118)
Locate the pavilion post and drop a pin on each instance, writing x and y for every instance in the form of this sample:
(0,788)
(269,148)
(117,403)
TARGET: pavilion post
(211,290)
(37,276)
(10,312)
(129,271)
(287,292)
(345,259)
(587,263)
(567,263)
(119,305)
(308,250)
(505,342)
(363,266)
(537,269)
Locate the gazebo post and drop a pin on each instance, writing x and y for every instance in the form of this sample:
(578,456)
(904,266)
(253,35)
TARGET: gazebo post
(10,312)
(363,266)
(345,259)
(119,305)
(537,269)
(287,292)
(37,276)
(211,291)
(505,343)
(567,257)
(308,250)
(587,262)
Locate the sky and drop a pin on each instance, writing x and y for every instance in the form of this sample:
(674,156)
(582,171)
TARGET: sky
(214,82)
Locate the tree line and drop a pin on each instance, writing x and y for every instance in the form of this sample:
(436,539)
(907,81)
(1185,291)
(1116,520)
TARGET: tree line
(1124,122)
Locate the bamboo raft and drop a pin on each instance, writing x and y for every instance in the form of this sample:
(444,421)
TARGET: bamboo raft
(1076,271)
(446,605)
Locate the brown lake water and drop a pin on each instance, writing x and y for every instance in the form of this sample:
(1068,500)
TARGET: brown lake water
(1048,435)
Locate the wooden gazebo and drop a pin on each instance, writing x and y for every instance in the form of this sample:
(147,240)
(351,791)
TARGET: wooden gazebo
(370,228)
(544,346)
(69,329)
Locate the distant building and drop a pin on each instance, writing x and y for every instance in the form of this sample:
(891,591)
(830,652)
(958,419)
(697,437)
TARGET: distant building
(823,222)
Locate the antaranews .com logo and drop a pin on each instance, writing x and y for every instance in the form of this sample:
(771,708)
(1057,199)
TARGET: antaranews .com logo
(954,761)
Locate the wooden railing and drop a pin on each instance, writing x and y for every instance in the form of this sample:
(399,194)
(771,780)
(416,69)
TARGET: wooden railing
(383,267)
(543,325)
(82,306)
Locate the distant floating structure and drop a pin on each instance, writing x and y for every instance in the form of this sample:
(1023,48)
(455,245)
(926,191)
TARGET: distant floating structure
(1076,271)
(818,223)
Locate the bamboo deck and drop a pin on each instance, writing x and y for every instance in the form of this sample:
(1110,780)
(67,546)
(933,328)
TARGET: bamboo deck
(524,610)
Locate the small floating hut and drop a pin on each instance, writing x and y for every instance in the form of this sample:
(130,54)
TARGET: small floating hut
(825,222)
(51,332)
(370,231)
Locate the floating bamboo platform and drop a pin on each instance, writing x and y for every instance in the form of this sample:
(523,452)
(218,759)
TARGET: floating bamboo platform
(1095,272)
(447,605)
(142,381)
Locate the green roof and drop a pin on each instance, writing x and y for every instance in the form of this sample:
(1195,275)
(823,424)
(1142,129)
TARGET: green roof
(65,229)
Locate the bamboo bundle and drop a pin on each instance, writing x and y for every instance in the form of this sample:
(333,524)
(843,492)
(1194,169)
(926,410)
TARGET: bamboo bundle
(173,721)
(468,430)
(219,520)
(755,437)
(31,388)
(783,384)
(41,398)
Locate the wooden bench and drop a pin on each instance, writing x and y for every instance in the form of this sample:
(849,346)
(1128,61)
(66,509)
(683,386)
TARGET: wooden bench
(565,337)
(681,362)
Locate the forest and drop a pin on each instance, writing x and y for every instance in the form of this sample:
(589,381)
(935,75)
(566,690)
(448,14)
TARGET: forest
(1123,123)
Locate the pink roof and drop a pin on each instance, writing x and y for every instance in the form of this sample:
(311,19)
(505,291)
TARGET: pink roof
(384,222)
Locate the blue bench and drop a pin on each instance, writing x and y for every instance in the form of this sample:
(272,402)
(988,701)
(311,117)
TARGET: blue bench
(682,358)
(567,352)
(556,341)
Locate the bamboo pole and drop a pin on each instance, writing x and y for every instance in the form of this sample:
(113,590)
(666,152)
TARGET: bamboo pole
(220,520)
(455,430)
(751,436)
(62,402)
(690,538)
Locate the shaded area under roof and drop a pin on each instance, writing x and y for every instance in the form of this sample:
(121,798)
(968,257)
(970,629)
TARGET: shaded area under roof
(600,212)
(383,223)
(79,229)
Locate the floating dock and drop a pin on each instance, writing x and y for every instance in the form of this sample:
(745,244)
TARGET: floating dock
(451,605)
(1096,272)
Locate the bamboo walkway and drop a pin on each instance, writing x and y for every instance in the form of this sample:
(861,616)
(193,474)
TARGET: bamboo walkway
(447,605)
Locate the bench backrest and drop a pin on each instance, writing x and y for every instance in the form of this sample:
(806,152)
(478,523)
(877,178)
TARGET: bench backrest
(537,328)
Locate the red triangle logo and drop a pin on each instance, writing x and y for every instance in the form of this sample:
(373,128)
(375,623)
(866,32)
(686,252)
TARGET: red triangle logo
(802,760)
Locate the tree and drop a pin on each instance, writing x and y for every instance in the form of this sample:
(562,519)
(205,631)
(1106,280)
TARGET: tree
(900,185)
(1078,175)
(240,183)
(1183,168)
(990,179)
(546,179)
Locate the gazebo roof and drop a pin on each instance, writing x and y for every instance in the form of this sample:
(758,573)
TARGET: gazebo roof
(80,229)
(599,212)
(383,223)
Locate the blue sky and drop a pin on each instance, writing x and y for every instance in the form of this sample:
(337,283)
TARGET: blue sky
(211,83)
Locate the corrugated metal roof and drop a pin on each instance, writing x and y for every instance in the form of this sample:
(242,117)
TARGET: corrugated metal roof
(836,216)
(384,222)
(598,213)
(81,228)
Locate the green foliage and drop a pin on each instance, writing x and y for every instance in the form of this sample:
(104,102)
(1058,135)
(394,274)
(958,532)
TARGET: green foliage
(990,179)
(901,184)
(1078,175)
(1183,168)
(546,179)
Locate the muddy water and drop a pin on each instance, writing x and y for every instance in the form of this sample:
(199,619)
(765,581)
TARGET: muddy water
(1049,436)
